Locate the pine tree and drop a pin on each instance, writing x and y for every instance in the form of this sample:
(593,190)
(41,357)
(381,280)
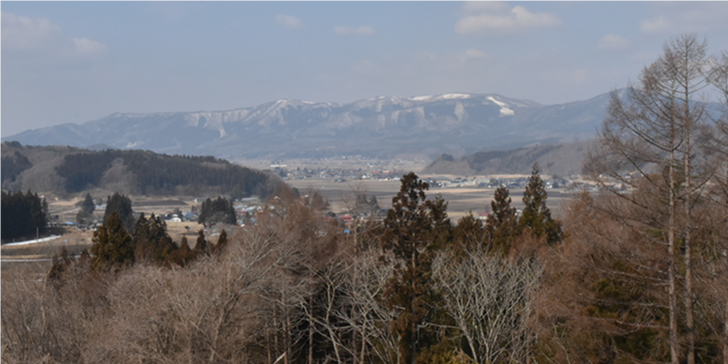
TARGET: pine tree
(88,205)
(415,228)
(122,206)
(501,222)
(222,241)
(536,215)
(201,245)
(112,247)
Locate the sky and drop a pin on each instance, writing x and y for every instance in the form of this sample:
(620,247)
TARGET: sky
(72,62)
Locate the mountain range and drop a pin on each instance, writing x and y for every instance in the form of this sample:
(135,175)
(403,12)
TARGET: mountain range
(384,127)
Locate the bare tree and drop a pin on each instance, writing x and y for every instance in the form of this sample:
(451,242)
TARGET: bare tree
(648,131)
(489,299)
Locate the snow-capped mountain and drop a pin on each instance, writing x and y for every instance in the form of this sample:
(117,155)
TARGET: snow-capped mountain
(381,126)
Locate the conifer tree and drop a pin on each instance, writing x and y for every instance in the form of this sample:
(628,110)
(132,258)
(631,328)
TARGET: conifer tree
(501,223)
(201,245)
(222,241)
(536,215)
(122,206)
(415,228)
(112,247)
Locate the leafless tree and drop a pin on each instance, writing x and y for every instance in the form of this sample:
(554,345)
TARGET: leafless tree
(490,301)
(648,131)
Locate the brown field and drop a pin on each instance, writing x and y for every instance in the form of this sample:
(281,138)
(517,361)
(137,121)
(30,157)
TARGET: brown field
(460,200)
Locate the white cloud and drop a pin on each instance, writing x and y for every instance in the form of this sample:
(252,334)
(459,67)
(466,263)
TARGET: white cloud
(288,21)
(362,30)
(22,35)
(472,54)
(498,19)
(680,17)
(85,46)
(612,42)
(656,25)
(19,32)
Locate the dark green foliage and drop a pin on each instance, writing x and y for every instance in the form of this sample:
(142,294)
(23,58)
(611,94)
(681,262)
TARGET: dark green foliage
(22,214)
(415,228)
(13,165)
(469,235)
(113,247)
(88,205)
(218,210)
(221,243)
(501,223)
(201,247)
(157,173)
(152,242)
(536,216)
(121,205)
(85,216)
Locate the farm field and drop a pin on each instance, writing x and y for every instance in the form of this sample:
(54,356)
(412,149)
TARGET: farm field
(460,200)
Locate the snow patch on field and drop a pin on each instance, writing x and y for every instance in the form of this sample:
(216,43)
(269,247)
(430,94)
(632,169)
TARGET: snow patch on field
(35,241)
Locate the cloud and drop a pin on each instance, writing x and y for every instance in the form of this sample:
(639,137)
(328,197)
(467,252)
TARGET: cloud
(674,18)
(611,42)
(499,19)
(288,21)
(23,35)
(656,25)
(85,46)
(19,32)
(364,30)
(471,54)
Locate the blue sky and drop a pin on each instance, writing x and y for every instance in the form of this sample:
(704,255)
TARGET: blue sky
(78,61)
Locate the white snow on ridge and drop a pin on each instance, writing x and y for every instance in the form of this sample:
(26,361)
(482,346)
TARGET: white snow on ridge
(454,96)
(440,97)
(505,110)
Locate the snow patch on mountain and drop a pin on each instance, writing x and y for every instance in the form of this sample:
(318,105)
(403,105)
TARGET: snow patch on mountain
(460,111)
(505,110)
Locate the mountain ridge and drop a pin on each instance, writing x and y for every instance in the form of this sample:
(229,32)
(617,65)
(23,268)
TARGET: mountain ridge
(455,123)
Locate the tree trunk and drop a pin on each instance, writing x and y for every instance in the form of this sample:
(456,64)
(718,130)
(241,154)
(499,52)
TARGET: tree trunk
(674,353)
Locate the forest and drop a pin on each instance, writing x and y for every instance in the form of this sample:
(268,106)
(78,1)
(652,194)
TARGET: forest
(23,214)
(160,174)
(632,274)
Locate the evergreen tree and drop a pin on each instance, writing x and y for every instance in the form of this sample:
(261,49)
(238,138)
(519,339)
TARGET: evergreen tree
(215,211)
(221,242)
(88,205)
(23,214)
(152,242)
(122,206)
(85,215)
(113,247)
(201,245)
(536,215)
(415,228)
(469,235)
(501,222)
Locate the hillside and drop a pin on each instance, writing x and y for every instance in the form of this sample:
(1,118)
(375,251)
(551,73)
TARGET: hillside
(67,170)
(383,127)
(562,159)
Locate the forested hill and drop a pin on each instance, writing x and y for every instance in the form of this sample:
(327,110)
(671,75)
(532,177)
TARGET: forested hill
(562,158)
(64,170)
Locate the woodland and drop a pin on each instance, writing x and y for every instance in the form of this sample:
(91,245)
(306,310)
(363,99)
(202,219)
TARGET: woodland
(636,273)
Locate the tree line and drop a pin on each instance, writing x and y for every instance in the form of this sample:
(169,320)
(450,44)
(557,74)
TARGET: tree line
(23,214)
(162,174)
